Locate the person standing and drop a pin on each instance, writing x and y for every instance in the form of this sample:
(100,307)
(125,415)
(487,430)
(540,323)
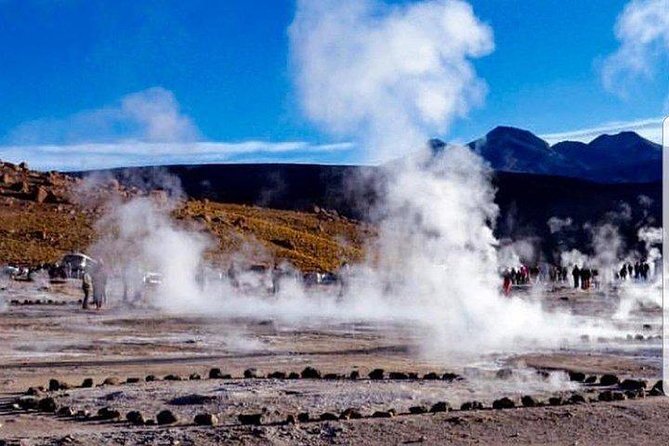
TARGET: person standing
(576,273)
(87,287)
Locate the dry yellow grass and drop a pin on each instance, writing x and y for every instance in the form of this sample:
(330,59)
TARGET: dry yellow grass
(33,233)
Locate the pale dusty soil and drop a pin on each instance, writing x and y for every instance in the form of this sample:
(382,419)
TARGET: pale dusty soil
(40,342)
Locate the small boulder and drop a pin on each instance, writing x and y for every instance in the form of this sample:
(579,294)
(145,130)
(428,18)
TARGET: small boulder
(310,373)
(87,383)
(28,402)
(609,380)
(132,380)
(398,375)
(290,419)
(47,404)
(503,403)
(577,376)
(441,406)
(607,395)
(416,410)
(376,374)
(529,401)
(471,405)
(590,379)
(431,376)
(331,376)
(166,417)
(54,385)
(293,375)
(173,378)
(450,377)
(354,374)
(135,417)
(504,373)
(277,375)
(251,373)
(555,401)
(576,398)
(633,384)
(206,419)
(66,411)
(657,389)
(107,413)
(112,381)
(303,417)
(328,416)
(150,378)
(350,414)
(384,413)
(253,419)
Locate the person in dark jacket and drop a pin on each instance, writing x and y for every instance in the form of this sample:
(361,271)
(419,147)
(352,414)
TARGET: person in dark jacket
(576,274)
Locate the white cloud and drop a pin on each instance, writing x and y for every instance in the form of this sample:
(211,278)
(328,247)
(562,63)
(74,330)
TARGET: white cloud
(387,76)
(643,32)
(87,156)
(150,115)
(650,129)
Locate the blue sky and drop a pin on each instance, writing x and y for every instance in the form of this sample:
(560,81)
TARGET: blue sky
(224,71)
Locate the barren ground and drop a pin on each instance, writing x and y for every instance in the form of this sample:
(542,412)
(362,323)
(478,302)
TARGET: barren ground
(57,340)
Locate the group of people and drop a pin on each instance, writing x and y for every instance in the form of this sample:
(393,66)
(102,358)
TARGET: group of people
(640,271)
(584,277)
(94,285)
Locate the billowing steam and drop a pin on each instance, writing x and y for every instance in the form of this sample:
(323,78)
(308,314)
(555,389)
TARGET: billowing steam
(387,76)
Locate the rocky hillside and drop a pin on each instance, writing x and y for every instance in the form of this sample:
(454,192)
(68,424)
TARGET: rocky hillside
(45,215)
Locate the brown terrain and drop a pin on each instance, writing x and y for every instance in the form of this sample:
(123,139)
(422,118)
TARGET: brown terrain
(133,374)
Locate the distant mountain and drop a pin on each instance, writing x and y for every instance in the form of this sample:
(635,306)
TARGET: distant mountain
(622,158)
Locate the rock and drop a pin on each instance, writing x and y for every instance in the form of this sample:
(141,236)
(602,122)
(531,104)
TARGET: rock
(192,400)
(431,376)
(132,380)
(135,417)
(254,419)
(303,417)
(647,327)
(415,410)
(28,402)
(277,375)
(555,401)
(632,394)
(112,381)
(36,391)
(376,374)
(173,378)
(350,414)
(503,403)
(328,416)
(40,194)
(66,411)
(83,414)
(590,379)
(607,395)
(441,406)
(293,375)
(354,375)
(150,378)
(54,385)
(450,377)
(47,404)
(384,413)
(216,373)
(529,401)
(618,396)
(310,373)
(251,373)
(577,376)
(638,337)
(206,419)
(633,384)
(504,373)
(166,417)
(331,376)
(576,398)
(194,377)
(608,380)
(471,405)
(290,419)
(398,375)
(107,413)
(658,389)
